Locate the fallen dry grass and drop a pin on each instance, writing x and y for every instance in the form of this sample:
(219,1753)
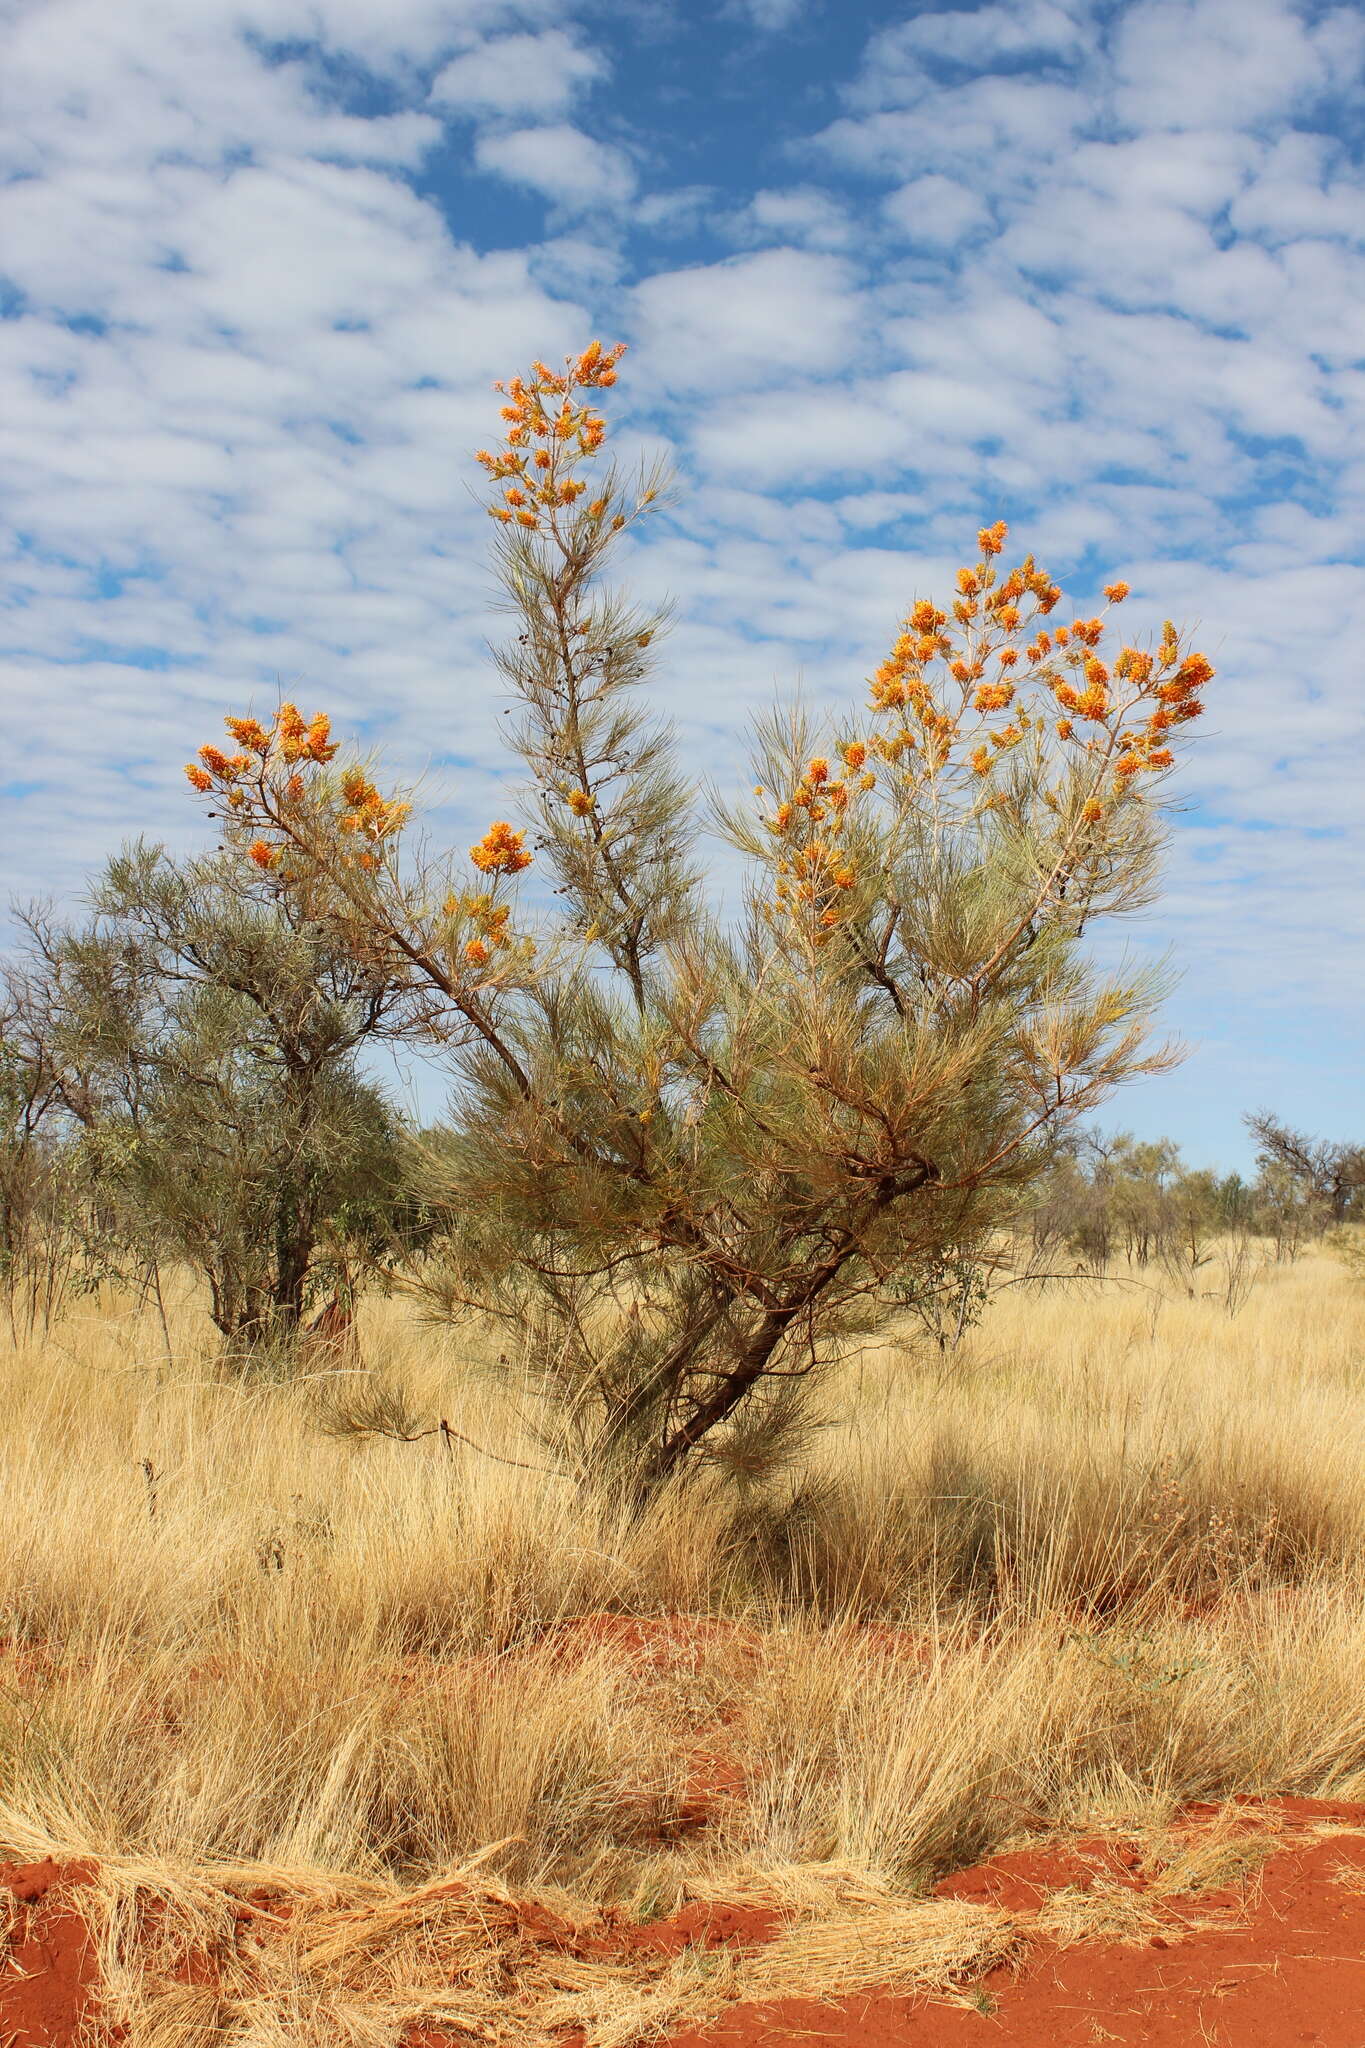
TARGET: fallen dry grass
(1104,1560)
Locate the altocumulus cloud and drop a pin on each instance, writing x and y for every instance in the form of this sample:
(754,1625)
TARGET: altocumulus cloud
(887,270)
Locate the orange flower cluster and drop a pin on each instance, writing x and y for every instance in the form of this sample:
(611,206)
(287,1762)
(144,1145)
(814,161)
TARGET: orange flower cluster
(295,739)
(500,851)
(263,784)
(368,811)
(537,483)
(814,871)
(988,624)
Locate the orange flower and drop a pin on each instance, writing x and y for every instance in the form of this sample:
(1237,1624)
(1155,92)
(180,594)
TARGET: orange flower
(968,582)
(321,745)
(216,761)
(597,508)
(580,802)
(991,539)
(1064,728)
(1161,757)
(264,855)
(981,760)
(249,733)
(1195,670)
(1116,592)
(201,780)
(1134,666)
(1096,674)
(818,771)
(476,953)
(1008,656)
(1092,812)
(994,696)
(500,851)
(868,781)
(1127,765)
(855,753)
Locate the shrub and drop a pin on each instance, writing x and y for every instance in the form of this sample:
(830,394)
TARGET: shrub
(690,1155)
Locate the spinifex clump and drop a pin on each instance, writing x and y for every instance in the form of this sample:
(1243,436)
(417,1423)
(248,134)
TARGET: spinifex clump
(688,1155)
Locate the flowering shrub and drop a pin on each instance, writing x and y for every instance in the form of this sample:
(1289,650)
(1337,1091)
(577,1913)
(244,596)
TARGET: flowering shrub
(745,1140)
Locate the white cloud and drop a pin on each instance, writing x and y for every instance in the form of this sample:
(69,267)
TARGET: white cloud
(768,16)
(934,211)
(570,169)
(802,214)
(1229,63)
(903,61)
(746,319)
(540,75)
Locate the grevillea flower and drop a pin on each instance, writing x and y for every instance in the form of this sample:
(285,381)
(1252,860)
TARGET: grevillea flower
(476,953)
(1116,592)
(500,851)
(1092,811)
(250,734)
(264,855)
(199,777)
(993,696)
(580,802)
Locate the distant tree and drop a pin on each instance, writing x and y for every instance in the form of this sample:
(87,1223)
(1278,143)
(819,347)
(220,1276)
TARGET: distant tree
(688,1155)
(1324,1171)
(198,1038)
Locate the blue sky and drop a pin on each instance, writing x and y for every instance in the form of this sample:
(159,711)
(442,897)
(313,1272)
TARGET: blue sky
(887,272)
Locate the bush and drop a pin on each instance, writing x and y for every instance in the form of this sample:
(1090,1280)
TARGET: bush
(689,1156)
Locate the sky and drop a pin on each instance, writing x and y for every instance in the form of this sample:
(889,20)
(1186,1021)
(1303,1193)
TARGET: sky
(887,272)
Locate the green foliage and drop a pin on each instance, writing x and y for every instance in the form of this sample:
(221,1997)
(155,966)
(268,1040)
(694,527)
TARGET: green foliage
(201,1039)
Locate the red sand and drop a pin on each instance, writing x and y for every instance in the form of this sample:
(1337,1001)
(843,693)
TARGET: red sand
(47,1981)
(1285,1964)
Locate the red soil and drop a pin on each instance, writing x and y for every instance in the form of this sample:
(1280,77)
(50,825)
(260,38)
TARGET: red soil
(1283,1963)
(48,1979)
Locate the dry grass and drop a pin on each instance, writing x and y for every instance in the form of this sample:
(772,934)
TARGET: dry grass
(1106,1560)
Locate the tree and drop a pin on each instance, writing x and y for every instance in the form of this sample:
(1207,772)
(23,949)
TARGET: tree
(199,1035)
(689,1156)
(1324,1172)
